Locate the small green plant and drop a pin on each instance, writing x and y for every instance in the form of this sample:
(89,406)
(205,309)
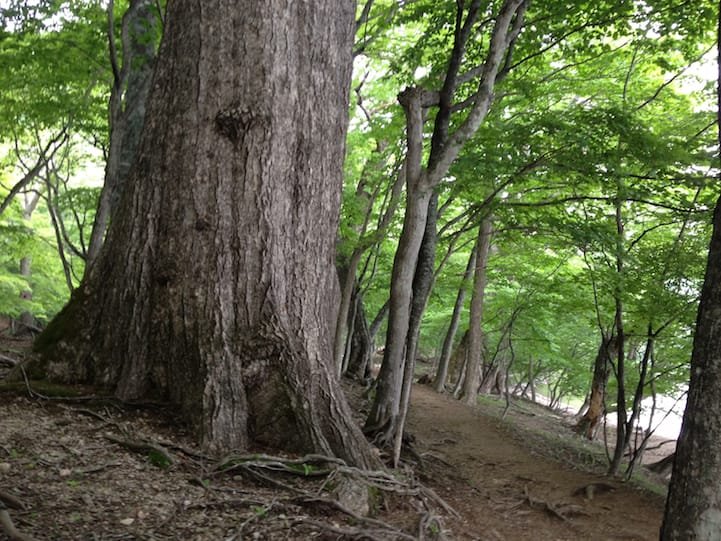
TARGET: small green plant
(259,510)
(158,459)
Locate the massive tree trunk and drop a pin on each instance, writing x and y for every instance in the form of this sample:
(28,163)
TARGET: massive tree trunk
(693,507)
(475,318)
(216,287)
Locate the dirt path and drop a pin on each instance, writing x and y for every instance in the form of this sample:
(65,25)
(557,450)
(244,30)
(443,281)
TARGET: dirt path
(489,474)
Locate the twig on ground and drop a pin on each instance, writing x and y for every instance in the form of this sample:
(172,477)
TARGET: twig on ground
(96,469)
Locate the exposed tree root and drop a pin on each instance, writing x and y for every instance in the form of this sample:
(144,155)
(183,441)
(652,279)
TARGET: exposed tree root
(591,490)
(162,455)
(560,511)
(6,522)
(9,361)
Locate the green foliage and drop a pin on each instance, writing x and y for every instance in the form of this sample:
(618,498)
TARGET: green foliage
(597,116)
(32,239)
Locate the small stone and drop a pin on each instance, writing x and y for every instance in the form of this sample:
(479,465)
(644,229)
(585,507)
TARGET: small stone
(65,472)
(353,495)
(127,521)
(141,514)
(4,467)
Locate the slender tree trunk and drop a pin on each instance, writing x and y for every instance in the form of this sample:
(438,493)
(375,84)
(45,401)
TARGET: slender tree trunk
(378,320)
(445,147)
(217,288)
(128,98)
(423,278)
(532,379)
(459,359)
(447,348)
(27,319)
(620,340)
(422,285)
(693,507)
(348,285)
(475,318)
(383,417)
(361,343)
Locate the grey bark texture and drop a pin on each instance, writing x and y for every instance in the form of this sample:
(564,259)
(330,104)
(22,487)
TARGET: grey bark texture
(590,420)
(128,98)
(216,288)
(475,317)
(443,362)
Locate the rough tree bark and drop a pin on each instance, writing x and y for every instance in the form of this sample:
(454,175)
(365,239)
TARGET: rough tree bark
(693,507)
(128,97)
(216,288)
(475,317)
(587,424)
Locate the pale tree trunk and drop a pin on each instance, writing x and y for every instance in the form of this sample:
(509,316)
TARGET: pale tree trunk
(422,280)
(27,319)
(383,419)
(693,507)
(475,317)
(422,285)
(128,96)
(217,288)
(447,348)
(459,361)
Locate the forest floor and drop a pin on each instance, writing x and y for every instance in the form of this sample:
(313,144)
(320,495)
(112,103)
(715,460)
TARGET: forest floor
(82,469)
